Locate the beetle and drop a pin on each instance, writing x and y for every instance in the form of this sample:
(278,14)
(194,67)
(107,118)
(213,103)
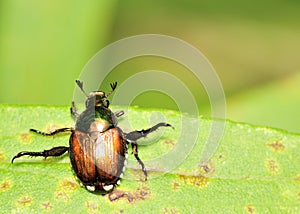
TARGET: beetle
(97,146)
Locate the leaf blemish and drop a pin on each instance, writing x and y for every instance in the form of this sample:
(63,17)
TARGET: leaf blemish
(277,146)
(65,188)
(25,137)
(250,209)
(297,179)
(47,206)
(196,180)
(169,142)
(68,185)
(176,185)
(2,157)
(142,193)
(272,166)
(117,194)
(206,167)
(62,195)
(91,205)
(25,200)
(5,185)
(171,210)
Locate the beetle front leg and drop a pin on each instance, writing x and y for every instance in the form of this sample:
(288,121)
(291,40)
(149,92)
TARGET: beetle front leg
(119,113)
(73,111)
(135,135)
(55,151)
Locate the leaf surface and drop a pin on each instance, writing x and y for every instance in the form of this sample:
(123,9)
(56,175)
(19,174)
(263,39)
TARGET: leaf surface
(254,170)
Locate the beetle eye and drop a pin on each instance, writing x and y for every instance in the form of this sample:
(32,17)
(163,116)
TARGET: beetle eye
(106,103)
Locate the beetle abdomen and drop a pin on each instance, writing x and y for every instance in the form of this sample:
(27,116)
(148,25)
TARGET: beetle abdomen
(98,158)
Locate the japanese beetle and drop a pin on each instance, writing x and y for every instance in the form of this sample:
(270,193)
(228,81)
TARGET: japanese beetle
(97,146)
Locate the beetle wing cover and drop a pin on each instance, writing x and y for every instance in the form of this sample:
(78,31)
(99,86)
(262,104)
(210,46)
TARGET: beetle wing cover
(82,157)
(98,158)
(110,149)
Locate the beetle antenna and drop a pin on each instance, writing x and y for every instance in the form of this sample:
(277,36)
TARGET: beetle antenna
(80,85)
(113,87)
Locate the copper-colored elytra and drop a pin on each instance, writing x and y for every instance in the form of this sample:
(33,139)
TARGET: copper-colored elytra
(101,157)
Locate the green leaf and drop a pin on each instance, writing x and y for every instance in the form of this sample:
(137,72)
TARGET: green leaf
(254,170)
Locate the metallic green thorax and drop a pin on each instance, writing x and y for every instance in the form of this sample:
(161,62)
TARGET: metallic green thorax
(93,114)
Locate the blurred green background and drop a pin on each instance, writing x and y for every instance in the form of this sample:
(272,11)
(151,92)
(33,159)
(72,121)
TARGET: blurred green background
(253,45)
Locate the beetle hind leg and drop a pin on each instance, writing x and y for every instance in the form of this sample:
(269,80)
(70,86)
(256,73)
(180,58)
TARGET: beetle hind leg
(136,155)
(55,151)
(133,136)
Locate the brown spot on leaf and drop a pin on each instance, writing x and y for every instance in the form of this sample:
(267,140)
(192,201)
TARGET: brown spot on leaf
(250,209)
(65,188)
(2,157)
(62,195)
(277,146)
(170,210)
(120,211)
(196,180)
(142,193)
(25,200)
(297,179)
(47,206)
(25,137)
(5,185)
(92,206)
(176,185)
(169,142)
(272,166)
(206,167)
(117,194)
(68,184)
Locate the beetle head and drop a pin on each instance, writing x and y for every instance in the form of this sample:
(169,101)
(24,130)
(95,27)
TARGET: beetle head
(97,98)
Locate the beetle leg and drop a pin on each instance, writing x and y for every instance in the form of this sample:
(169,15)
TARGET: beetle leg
(74,110)
(55,151)
(134,146)
(135,135)
(57,131)
(119,113)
